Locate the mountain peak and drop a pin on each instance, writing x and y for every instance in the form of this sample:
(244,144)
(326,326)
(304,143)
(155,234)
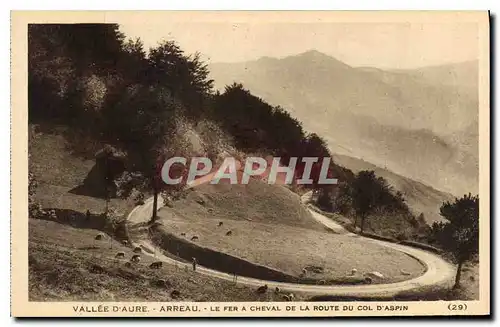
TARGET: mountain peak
(317,57)
(313,53)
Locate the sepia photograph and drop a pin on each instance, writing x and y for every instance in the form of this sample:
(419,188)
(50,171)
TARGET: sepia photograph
(250,163)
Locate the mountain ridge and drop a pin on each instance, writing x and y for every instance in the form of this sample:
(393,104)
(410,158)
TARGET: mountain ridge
(371,111)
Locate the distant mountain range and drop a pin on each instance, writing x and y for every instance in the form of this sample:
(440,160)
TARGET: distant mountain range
(421,123)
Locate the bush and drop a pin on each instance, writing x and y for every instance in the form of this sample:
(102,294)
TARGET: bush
(113,218)
(128,184)
(35,210)
(138,197)
(52,214)
(325,200)
(171,195)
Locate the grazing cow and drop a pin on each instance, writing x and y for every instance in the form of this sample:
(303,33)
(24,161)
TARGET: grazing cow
(156,265)
(99,237)
(135,258)
(120,255)
(262,289)
(137,249)
(194,238)
(229,233)
(125,242)
(96,269)
(162,283)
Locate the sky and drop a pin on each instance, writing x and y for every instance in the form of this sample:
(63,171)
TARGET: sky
(398,45)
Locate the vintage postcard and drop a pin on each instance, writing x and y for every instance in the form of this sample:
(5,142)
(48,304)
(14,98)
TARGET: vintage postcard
(250,164)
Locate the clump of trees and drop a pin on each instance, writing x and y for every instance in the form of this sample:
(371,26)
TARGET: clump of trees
(109,90)
(370,200)
(370,193)
(459,234)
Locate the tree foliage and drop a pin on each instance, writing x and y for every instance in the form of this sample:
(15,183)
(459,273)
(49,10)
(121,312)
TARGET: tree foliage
(109,89)
(370,193)
(459,235)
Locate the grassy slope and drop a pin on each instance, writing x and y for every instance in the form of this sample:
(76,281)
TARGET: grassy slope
(58,172)
(281,235)
(60,263)
(57,248)
(255,202)
(60,255)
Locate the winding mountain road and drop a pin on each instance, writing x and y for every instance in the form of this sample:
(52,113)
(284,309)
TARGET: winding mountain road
(438,271)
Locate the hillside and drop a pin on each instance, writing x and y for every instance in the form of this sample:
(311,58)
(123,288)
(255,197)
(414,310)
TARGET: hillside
(270,227)
(373,114)
(66,264)
(421,198)
(257,202)
(63,254)
(105,114)
(463,76)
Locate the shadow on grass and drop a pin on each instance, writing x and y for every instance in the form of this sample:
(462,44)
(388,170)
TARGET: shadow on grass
(76,219)
(88,248)
(88,220)
(92,186)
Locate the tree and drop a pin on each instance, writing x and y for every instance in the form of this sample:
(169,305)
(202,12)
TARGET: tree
(364,194)
(460,234)
(186,77)
(133,63)
(371,193)
(157,185)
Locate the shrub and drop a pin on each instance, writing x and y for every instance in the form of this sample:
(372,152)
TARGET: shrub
(128,183)
(35,210)
(113,218)
(138,197)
